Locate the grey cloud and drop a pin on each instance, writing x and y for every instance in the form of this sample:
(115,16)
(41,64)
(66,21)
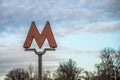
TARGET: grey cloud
(69,50)
(24,13)
(16,57)
(97,26)
(103,27)
(19,12)
(50,68)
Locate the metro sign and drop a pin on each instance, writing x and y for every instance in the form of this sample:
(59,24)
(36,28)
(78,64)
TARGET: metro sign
(40,38)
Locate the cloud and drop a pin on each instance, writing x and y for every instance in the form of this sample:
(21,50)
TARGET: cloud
(103,27)
(10,59)
(82,1)
(77,51)
(22,12)
(13,55)
(17,15)
(83,27)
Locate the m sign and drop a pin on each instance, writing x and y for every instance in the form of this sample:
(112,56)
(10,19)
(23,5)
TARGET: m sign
(40,38)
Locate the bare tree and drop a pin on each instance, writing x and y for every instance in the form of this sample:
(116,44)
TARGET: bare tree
(68,71)
(88,75)
(33,72)
(109,68)
(47,75)
(17,74)
(30,70)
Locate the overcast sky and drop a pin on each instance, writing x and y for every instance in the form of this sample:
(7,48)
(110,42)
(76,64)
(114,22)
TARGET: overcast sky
(81,28)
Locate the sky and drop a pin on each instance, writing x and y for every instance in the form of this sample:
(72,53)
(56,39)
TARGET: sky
(82,28)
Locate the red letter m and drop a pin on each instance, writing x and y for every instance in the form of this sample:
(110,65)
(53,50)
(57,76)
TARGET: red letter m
(40,38)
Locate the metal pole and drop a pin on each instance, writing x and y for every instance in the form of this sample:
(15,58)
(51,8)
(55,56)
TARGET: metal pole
(115,74)
(39,67)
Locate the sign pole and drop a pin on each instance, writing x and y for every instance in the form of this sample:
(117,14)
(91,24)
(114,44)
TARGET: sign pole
(40,67)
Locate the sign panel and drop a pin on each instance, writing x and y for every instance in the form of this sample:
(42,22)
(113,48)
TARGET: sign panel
(40,38)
